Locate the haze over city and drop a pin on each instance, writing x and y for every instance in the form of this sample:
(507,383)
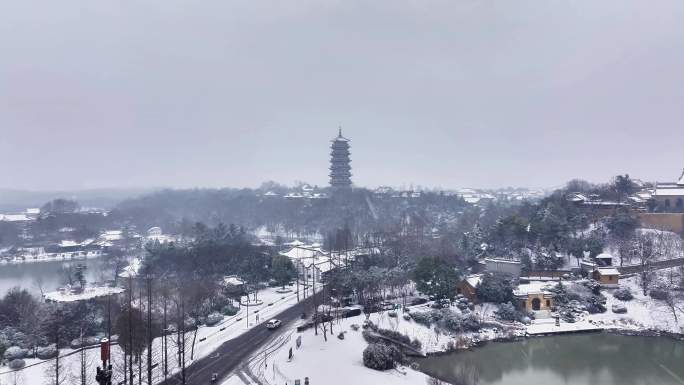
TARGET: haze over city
(439,94)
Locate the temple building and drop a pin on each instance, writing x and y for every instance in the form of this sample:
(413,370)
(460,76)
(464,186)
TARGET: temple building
(340,169)
(669,197)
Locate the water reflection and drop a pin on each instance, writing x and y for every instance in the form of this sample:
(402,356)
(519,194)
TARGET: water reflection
(571,359)
(50,275)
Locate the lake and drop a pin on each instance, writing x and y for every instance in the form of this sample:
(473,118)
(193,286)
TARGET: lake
(51,274)
(578,359)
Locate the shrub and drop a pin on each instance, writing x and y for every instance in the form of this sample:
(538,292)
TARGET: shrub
(17,364)
(15,352)
(441,304)
(594,286)
(213,319)
(451,321)
(596,304)
(394,335)
(438,314)
(11,336)
(379,356)
(391,335)
(229,310)
(46,352)
(659,294)
(508,312)
(423,318)
(470,323)
(623,294)
(495,288)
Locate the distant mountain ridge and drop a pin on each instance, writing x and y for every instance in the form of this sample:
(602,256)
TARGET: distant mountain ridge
(12,200)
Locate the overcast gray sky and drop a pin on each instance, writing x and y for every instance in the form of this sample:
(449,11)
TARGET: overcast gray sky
(443,93)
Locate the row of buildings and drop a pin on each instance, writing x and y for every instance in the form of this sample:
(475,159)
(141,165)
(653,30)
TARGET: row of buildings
(532,292)
(658,205)
(69,249)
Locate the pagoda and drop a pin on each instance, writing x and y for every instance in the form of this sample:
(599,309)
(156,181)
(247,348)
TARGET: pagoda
(340,169)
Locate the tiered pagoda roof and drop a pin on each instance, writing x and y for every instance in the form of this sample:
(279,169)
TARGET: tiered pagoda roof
(340,168)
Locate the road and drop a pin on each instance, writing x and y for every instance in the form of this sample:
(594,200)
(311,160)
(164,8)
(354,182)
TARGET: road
(237,351)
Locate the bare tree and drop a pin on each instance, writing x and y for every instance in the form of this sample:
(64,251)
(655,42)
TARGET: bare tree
(644,250)
(674,303)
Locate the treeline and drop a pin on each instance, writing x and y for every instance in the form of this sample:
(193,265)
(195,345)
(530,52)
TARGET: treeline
(558,225)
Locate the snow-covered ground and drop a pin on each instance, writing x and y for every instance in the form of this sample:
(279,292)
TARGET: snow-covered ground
(321,361)
(643,312)
(331,362)
(89,292)
(208,339)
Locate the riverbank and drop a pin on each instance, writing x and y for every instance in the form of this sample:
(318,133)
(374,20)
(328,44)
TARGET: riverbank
(317,357)
(52,257)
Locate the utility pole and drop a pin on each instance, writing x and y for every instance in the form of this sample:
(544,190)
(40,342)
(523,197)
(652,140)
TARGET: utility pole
(149,329)
(140,306)
(83,359)
(130,328)
(164,341)
(247,317)
(183,337)
(57,357)
(313,269)
(298,270)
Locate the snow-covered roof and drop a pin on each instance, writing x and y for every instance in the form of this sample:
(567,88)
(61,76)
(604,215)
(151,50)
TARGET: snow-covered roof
(533,287)
(154,231)
(32,211)
(471,199)
(474,280)
(497,260)
(296,242)
(608,271)
(578,197)
(660,191)
(14,217)
(68,243)
(232,280)
(132,270)
(604,256)
(325,265)
(587,263)
(302,252)
(112,235)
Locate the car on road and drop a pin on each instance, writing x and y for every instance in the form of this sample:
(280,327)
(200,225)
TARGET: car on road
(274,323)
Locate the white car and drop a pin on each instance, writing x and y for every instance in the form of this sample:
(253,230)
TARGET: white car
(274,323)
